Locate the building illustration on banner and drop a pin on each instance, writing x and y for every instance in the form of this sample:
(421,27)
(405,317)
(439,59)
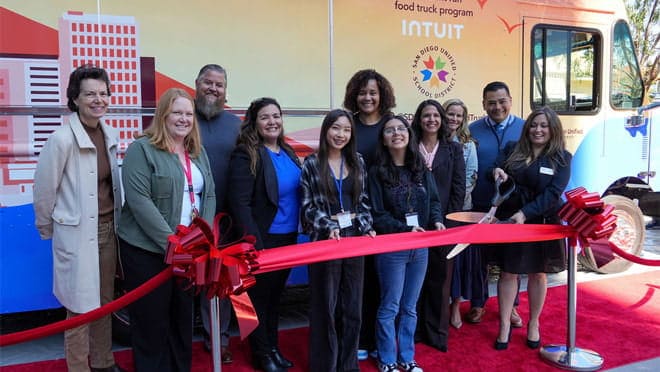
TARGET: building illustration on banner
(39,79)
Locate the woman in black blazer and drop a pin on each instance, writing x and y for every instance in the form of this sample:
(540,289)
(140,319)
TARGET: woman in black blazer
(444,158)
(264,199)
(541,167)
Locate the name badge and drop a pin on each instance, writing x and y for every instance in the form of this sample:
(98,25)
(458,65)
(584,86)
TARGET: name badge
(547,171)
(411,219)
(344,220)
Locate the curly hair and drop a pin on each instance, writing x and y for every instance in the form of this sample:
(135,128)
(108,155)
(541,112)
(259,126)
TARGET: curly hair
(359,80)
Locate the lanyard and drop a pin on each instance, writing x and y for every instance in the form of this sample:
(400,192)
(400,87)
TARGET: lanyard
(339,182)
(504,125)
(191,191)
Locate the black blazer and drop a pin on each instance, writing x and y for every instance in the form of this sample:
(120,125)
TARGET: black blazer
(538,193)
(448,170)
(253,199)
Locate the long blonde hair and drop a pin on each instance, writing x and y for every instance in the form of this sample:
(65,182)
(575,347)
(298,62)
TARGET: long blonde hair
(462,132)
(157,132)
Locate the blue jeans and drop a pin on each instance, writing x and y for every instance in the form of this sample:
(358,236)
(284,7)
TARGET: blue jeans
(401,275)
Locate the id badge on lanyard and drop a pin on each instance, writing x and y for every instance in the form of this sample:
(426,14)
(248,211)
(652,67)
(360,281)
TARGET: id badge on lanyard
(344,219)
(411,219)
(188,172)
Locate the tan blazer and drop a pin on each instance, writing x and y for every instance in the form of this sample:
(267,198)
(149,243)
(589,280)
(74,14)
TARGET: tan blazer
(66,210)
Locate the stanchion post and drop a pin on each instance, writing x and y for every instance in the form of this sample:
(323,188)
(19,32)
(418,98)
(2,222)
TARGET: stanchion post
(215,333)
(569,356)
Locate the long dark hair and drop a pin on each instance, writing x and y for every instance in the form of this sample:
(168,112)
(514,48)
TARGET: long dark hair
(349,152)
(554,150)
(443,132)
(249,135)
(387,171)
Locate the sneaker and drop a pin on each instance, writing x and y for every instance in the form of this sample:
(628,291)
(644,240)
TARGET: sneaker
(410,367)
(362,354)
(382,367)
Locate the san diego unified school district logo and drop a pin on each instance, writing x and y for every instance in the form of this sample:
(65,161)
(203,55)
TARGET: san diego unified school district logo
(434,72)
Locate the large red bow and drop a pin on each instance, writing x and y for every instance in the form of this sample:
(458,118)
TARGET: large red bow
(195,254)
(588,215)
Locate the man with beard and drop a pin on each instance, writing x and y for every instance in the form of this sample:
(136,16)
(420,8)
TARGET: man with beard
(219,131)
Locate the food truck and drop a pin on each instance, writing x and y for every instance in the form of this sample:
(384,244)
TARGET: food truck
(575,56)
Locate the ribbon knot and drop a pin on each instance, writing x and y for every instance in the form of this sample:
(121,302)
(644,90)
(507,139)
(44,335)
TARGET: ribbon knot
(588,215)
(194,253)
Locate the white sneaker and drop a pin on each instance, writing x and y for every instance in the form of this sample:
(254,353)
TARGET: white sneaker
(382,367)
(410,367)
(362,354)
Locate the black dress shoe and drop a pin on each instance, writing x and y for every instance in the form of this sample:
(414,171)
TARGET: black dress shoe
(502,345)
(112,368)
(266,363)
(533,344)
(280,359)
(225,355)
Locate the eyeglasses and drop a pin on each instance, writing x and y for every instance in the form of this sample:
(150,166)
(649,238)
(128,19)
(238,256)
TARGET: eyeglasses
(398,129)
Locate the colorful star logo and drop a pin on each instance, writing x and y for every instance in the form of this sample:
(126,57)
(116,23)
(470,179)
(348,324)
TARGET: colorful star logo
(434,71)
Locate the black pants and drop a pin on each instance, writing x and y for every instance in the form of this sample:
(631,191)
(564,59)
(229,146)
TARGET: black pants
(162,320)
(370,302)
(334,314)
(265,296)
(433,303)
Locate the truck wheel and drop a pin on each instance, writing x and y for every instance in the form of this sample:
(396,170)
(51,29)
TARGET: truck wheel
(629,236)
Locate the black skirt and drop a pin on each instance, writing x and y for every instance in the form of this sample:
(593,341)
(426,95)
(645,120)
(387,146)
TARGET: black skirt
(532,257)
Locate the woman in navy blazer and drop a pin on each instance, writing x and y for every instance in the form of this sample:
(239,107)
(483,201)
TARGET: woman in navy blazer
(444,158)
(541,167)
(264,199)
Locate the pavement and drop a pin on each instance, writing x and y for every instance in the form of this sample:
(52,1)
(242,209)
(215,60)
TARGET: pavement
(294,314)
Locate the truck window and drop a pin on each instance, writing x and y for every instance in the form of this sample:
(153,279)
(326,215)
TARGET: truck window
(565,69)
(626,87)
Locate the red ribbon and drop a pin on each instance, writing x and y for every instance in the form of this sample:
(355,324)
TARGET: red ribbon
(194,254)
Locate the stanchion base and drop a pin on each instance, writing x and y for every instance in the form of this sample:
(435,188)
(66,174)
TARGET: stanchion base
(575,360)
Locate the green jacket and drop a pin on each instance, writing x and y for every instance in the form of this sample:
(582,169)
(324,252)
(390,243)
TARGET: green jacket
(153,183)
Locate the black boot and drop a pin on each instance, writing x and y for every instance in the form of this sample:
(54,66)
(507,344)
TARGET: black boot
(266,363)
(280,359)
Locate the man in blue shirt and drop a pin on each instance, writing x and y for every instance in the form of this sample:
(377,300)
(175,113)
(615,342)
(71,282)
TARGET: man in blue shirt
(492,132)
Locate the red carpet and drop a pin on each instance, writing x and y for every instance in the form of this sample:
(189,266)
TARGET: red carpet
(618,317)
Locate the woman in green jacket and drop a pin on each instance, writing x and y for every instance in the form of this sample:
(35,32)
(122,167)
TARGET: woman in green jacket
(168,182)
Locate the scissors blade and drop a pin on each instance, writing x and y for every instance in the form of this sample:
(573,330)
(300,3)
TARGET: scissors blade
(458,248)
(486,219)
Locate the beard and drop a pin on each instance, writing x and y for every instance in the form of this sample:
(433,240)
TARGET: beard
(207,108)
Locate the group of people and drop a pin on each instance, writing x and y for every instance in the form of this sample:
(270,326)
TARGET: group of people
(373,173)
